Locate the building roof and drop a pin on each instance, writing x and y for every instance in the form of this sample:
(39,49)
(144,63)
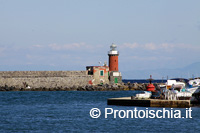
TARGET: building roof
(97,66)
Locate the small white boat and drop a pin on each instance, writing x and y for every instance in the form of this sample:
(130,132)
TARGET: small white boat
(196,95)
(143,95)
(194,82)
(171,83)
(194,88)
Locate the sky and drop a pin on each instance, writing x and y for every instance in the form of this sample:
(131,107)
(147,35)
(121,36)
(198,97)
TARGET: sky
(73,34)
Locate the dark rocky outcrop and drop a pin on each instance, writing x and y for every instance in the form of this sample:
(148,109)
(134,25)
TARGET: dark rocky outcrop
(104,87)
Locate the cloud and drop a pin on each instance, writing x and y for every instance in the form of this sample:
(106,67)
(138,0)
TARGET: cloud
(78,55)
(144,58)
(167,47)
(147,46)
(72,46)
(129,45)
(38,46)
(150,46)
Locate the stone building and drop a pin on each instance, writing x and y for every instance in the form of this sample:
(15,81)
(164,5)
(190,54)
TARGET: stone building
(100,74)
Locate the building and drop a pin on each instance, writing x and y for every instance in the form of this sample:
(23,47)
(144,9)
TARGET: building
(100,74)
(106,74)
(114,74)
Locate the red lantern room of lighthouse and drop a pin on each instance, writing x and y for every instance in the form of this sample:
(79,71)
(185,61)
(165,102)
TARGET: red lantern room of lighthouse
(114,74)
(113,58)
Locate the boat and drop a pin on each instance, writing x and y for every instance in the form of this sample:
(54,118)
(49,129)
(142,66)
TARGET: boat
(143,95)
(182,90)
(174,94)
(196,96)
(194,88)
(194,82)
(172,82)
(175,90)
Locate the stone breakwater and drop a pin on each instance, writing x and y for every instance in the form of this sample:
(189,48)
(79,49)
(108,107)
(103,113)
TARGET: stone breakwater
(43,79)
(57,81)
(105,87)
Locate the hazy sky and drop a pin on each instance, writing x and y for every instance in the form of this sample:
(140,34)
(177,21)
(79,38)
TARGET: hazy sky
(71,34)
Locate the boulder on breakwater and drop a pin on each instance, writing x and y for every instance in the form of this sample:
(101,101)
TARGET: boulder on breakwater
(104,87)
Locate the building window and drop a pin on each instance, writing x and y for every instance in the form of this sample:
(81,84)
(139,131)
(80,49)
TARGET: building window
(90,70)
(101,73)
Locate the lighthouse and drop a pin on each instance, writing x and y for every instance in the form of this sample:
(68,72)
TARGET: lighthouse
(113,58)
(114,74)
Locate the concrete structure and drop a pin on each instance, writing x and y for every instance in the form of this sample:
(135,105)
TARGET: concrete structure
(100,74)
(127,101)
(115,76)
(48,79)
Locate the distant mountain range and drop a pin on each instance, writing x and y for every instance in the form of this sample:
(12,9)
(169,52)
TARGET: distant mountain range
(190,71)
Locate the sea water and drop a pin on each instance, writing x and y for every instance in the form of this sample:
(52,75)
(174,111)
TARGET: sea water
(68,111)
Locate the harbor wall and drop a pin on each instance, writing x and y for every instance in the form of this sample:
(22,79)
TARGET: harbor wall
(47,79)
(58,80)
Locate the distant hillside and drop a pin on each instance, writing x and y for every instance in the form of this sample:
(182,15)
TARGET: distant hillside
(194,68)
(185,72)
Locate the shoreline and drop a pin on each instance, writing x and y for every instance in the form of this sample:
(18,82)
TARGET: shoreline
(104,87)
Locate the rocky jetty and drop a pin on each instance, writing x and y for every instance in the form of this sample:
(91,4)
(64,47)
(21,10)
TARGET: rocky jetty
(104,87)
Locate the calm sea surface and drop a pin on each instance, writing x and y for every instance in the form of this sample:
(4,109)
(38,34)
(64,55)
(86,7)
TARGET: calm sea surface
(64,111)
